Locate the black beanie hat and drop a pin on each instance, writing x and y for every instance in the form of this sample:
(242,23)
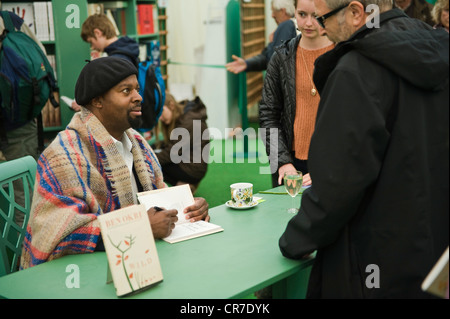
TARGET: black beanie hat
(100,75)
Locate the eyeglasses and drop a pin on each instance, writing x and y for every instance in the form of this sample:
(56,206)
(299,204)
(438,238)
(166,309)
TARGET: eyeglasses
(321,19)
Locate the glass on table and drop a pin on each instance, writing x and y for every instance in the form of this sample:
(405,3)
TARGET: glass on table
(293,181)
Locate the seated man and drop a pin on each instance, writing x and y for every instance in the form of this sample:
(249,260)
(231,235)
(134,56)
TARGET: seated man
(95,166)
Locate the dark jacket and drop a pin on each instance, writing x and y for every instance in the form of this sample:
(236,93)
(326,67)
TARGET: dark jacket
(379,162)
(197,145)
(284,32)
(278,103)
(125,48)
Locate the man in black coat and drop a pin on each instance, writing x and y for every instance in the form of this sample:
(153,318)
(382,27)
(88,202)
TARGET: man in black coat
(377,211)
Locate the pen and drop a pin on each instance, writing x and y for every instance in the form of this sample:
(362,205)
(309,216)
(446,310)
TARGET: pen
(158,209)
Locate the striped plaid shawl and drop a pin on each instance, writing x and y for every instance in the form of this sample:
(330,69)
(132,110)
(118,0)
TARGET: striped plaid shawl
(81,175)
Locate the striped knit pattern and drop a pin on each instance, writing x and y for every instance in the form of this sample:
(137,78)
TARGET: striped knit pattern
(80,176)
(306,104)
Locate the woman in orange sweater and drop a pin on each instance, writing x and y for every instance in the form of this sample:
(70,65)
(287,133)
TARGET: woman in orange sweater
(290,99)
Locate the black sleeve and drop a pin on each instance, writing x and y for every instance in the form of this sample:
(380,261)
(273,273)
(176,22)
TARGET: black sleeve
(345,158)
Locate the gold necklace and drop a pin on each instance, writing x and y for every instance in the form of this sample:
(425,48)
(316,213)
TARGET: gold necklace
(313,90)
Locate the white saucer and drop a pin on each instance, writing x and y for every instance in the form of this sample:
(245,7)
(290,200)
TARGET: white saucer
(252,204)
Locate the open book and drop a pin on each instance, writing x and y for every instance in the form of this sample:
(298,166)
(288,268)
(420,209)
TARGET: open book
(436,281)
(130,247)
(178,197)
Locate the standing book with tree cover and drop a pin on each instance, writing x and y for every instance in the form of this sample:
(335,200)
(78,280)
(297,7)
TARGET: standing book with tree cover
(178,197)
(130,247)
(436,281)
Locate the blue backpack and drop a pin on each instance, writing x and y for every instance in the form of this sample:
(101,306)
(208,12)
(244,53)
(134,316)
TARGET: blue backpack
(27,80)
(152,90)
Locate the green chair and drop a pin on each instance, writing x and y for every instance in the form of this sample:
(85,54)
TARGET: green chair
(15,174)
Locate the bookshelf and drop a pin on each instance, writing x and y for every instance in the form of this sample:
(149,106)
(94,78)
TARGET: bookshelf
(253,42)
(70,52)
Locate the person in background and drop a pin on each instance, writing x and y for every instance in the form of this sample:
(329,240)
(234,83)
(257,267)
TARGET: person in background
(186,135)
(282,12)
(96,165)
(290,99)
(440,14)
(377,211)
(22,140)
(418,9)
(99,32)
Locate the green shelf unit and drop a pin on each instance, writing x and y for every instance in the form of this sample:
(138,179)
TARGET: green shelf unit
(70,50)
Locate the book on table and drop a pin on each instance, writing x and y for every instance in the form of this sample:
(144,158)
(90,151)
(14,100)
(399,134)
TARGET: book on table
(436,281)
(178,197)
(130,248)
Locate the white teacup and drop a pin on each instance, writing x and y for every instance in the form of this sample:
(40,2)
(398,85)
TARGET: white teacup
(241,194)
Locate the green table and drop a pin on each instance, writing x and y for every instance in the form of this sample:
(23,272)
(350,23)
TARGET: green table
(232,264)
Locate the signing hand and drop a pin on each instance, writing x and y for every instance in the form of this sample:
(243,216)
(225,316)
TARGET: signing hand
(237,66)
(197,211)
(75,107)
(162,222)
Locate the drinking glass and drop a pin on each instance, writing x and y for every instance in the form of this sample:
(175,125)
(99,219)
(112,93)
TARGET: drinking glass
(293,183)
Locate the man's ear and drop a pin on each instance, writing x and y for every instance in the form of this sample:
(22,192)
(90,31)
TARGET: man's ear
(358,14)
(97,103)
(98,33)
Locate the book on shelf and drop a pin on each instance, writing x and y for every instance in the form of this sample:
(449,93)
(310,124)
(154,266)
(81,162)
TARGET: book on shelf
(145,19)
(25,10)
(41,21)
(143,52)
(109,14)
(150,50)
(130,249)
(51,116)
(115,5)
(51,25)
(118,16)
(162,3)
(95,8)
(52,60)
(178,197)
(436,282)
(38,16)
(155,52)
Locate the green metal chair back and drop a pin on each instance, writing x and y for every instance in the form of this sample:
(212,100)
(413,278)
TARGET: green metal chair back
(15,175)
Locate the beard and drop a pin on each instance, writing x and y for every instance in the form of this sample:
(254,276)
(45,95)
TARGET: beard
(135,122)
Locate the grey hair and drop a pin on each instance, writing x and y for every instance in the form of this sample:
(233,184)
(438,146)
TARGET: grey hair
(384,5)
(284,4)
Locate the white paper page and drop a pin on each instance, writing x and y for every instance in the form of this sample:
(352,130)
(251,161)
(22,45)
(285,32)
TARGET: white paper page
(67,100)
(191,230)
(176,197)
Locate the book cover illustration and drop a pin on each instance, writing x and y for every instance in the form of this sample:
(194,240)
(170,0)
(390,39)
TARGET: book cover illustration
(130,247)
